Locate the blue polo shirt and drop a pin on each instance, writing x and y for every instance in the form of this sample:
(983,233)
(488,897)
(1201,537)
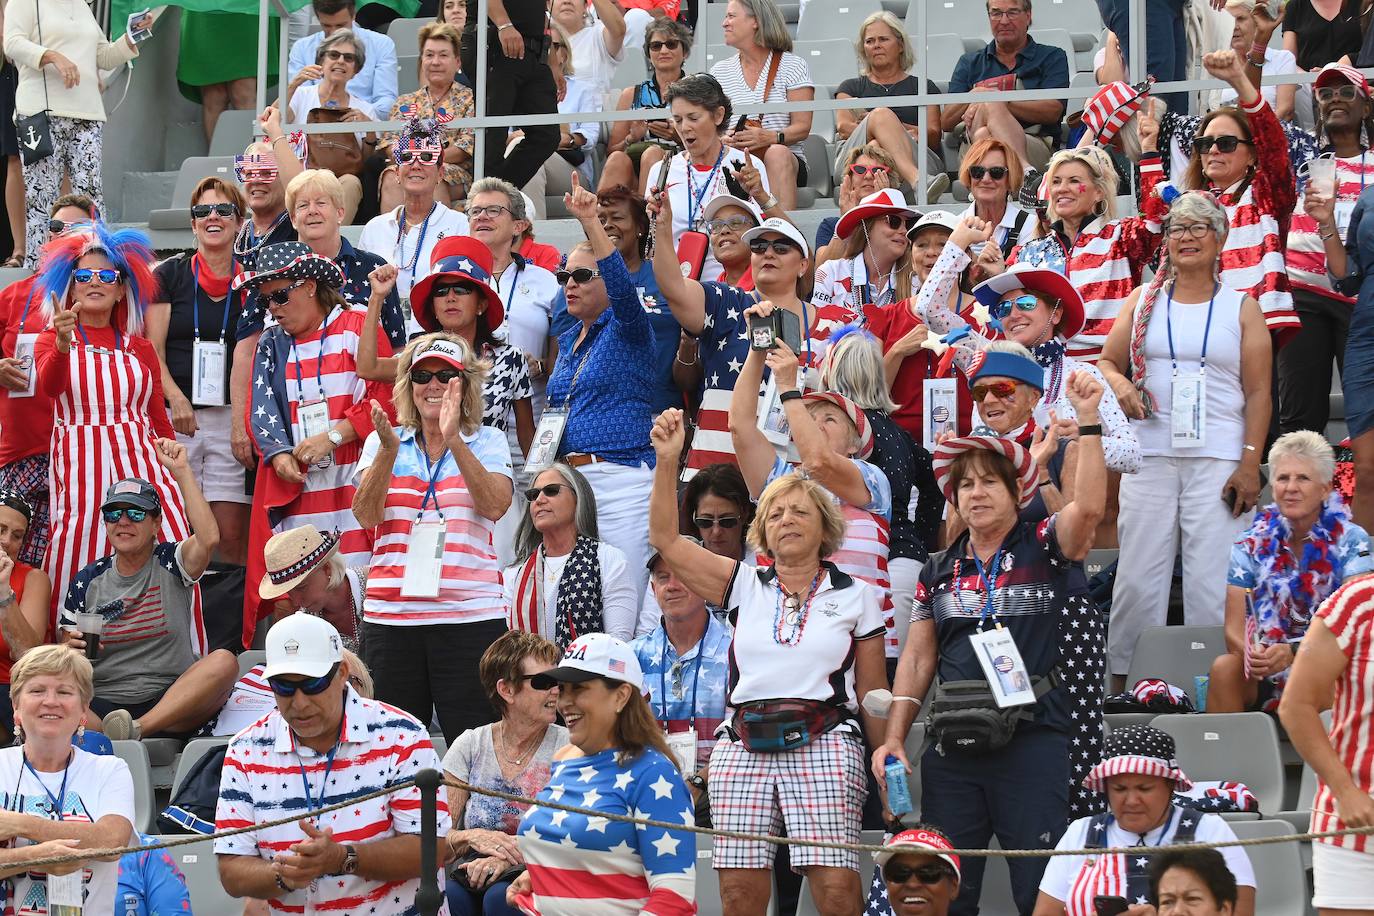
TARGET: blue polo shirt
(1037,67)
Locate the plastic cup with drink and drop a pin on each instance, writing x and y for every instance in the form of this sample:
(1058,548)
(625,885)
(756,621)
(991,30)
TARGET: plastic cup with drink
(89,627)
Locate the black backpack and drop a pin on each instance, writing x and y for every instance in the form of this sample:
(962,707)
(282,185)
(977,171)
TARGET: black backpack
(192,807)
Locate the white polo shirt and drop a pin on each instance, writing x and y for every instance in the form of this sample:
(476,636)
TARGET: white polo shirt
(382,236)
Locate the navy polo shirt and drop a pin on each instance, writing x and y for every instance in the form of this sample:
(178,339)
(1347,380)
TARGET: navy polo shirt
(1037,67)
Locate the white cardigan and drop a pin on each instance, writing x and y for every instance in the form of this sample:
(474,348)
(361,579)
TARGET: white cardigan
(69,28)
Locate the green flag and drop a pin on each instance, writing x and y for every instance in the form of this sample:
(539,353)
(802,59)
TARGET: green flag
(120,9)
(407,8)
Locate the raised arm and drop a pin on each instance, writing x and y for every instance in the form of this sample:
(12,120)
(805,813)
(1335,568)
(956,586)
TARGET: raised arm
(614,20)
(197,549)
(370,366)
(686,297)
(753,451)
(369,499)
(1076,523)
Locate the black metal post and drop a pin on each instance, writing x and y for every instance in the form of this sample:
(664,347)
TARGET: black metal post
(429,896)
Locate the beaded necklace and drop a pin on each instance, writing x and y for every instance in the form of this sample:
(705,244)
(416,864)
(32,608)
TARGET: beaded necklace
(796,613)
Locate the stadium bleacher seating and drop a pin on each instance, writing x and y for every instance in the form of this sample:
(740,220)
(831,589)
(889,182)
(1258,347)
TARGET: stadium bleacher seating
(1239,746)
(178,216)
(1281,887)
(1176,654)
(136,756)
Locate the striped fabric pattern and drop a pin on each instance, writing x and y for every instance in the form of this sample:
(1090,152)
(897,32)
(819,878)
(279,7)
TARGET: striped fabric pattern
(1306,254)
(1020,457)
(470,583)
(1349,615)
(863,554)
(1109,110)
(265,777)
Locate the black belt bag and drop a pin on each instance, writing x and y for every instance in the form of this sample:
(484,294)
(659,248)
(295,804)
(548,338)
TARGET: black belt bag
(964,715)
(772,726)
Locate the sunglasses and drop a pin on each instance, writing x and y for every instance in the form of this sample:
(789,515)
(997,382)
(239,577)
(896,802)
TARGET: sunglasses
(582,276)
(897,221)
(995,172)
(672,44)
(423,156)
(549,489)
(423,376)
(1191,230)
(1345,93)
(280,296)
(1224,144)
(454,289)
(1002,309)
(106,275)
(706,523)
(492,210)
(134,515)
(857,169)
(310,686)
(733,224)
(346,56)
(57,227)
(200,211)
(926,874)
(779,246)
(1003,391)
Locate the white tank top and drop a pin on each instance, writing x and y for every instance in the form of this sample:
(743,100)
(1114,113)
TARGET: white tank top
(1225,400)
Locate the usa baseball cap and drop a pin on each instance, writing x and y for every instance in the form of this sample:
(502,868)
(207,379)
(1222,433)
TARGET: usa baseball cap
(590,656)
(304,645)
(132,491)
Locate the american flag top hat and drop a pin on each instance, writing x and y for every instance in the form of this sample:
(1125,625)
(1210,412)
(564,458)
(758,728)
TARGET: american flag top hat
(1142,750)
(456,257)
(1018,455)
(593,655)
(290,261)
(1113,105)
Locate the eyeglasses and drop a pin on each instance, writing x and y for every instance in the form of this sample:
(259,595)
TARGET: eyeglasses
(779,246)
(134,515)
(1002,309)
(897,221)
(857,169)
(549,489)
(260,176)
(492,210)
(345,56)
(926,874)
(733,224)
(672,44)
(453,289)
(1224,144)
(1003,391)
(582,276)
(706,522)
(200,211)
(995,172)
(310,686)
(423,376)
(1191,230)
(106,275)
(422,156)
(995,15)
(280,296)
(1346,93)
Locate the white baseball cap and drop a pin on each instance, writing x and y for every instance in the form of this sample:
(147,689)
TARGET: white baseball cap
(303,645)
(721,201)
(589,656)
(442,349)
(781,227)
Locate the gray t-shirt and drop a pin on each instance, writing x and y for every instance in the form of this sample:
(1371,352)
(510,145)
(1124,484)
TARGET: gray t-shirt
(472,758)
(146,644)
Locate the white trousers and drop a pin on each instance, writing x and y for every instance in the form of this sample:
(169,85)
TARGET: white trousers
(903,572)
(1170,499)
(622,512)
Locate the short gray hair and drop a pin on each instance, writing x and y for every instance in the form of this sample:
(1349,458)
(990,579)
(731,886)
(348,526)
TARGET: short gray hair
(528,538)
(702,90)
(515,201)
(853,367)
(1199,207)
(671,28)
(344,37)
(1305,445)
(772,33)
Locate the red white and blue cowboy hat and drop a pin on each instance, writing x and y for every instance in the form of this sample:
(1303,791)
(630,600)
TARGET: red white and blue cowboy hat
(1049,283)
(1018,455)
(456,257)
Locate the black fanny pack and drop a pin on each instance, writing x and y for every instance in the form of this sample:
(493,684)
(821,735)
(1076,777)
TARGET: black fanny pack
(964,716)
(771,726)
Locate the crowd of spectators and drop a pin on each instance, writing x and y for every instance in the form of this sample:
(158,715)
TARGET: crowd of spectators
(578,510)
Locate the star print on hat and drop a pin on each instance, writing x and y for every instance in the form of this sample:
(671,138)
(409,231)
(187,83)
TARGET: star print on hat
(456,257)
(1142,750)
(291,261)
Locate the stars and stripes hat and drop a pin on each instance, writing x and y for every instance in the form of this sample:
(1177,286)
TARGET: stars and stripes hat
(456,257)
(919,841)
(1018,455)
(879,203)
(292,555)
(851,410)
(290,261)
(132,491)
(1043,280)
(1141,750)
(593,655)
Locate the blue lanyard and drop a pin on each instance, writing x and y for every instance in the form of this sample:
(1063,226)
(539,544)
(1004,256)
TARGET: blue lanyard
(1206,331)
(328,766)
(319,361)
(195,304)
(696,676)
(119,338)
(401,239)
(694,205)
(432,470)
(24,318)
(988,585)
(513,283)
(61,793)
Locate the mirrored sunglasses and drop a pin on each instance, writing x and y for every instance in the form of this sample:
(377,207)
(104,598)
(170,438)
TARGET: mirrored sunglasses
(114,515)
(106,275)
(1026,303)
(1001,390)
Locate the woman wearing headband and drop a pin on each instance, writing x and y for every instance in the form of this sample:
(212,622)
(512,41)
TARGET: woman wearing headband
(24,595)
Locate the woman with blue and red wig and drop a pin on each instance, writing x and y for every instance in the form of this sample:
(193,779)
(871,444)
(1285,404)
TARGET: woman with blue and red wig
(106,386)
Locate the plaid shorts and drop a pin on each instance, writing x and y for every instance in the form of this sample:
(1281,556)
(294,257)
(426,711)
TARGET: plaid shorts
(817,792)
(29,478)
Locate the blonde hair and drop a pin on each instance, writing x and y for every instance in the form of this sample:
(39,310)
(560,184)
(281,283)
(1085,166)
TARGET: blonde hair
(315,180)
(832,522)
(873,151)
(357,669)
(907,58)
(474,373)
(567,47)
(53,661)
(1100,168)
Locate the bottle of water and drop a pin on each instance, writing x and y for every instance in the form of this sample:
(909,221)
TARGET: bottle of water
(898,792)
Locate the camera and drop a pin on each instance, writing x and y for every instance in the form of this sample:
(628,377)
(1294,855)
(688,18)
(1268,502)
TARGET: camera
(780,325)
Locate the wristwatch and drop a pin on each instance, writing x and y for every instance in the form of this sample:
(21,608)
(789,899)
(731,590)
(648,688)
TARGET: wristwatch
(350,862)
(770,203)
(697,781)
(782,138)
(335,437)
(1093,430)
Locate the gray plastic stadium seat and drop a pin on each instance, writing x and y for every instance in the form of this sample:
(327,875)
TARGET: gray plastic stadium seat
(1281,886)
(10,275)
(1080,18)
(1176,654)
(942,54)
(405,33)
(250,658)
(440,745)
(831,60)
(1241,746)
(200,867)
(407,76)
(135,755)
(818,177)
(233,131)
(957,16)
(1120,720)
(195,749)
(178,216)
(1060,38)
(827,18)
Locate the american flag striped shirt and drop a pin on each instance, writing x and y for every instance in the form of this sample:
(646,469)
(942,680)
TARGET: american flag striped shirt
(1349,615)
(268,775)
(1306,254)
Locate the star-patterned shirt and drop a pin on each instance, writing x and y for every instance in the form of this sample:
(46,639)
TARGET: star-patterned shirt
(268,775)
(687,691)
(591,866)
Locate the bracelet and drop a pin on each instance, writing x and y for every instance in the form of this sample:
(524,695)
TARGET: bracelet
(1094,430)
(1326,236)
(1260,49)
(909,700)
(276,876)
(678,359)
(505,25)
(1254,63)
(792,395)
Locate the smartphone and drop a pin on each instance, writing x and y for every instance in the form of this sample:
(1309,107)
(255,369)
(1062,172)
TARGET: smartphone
(1229,496)
(743,120)
(1107,905)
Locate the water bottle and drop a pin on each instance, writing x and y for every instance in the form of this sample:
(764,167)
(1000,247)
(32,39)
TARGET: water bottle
(898,792)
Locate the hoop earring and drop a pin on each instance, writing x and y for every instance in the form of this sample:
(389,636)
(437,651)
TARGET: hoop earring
(1100,208)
